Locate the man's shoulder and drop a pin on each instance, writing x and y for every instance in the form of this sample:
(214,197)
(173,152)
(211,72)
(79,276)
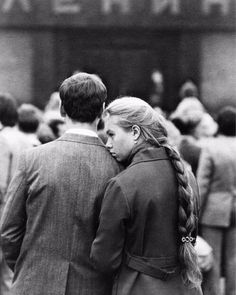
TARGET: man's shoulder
(57,148)
(39,151)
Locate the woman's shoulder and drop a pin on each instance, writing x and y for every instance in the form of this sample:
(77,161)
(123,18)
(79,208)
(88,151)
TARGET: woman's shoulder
(123,176)
(126,180)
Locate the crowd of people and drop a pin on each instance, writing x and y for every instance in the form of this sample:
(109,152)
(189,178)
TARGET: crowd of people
(121,198)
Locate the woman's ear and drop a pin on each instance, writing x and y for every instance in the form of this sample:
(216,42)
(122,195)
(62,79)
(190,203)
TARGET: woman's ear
(136,132)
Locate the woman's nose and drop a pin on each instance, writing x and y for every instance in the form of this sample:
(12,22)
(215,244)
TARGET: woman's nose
(108,144)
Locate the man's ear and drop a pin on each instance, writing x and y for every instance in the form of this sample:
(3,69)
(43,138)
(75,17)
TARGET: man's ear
(62,110)
(136,132)
(101,112)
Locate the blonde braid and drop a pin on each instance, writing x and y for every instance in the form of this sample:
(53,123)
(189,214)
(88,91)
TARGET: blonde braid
(190,271)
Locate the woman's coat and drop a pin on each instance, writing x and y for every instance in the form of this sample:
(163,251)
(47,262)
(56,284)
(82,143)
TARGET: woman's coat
(139,219)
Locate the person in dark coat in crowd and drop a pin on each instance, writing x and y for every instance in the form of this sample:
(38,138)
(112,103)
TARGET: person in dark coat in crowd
(216,176)
(148,220)
(51,215)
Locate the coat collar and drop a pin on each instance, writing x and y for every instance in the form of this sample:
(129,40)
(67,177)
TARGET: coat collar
(81,139)
(146,152)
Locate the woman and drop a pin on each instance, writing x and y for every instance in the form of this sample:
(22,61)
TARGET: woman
(216,176)
(147,222)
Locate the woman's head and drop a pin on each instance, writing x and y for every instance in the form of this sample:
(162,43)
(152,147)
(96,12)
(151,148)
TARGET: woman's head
(130,121)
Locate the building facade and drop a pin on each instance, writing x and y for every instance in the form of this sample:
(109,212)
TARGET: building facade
(42,42)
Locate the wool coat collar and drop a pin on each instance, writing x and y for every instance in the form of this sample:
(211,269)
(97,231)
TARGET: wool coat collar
(146,152)
(81,139)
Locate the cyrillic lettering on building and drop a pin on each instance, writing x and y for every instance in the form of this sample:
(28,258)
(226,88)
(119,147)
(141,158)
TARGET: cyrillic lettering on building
(158,6)
(107,6)
(66,6)
(224,6)
(8,5)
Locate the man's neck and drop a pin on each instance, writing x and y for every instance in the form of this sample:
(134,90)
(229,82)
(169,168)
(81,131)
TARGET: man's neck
(70,124)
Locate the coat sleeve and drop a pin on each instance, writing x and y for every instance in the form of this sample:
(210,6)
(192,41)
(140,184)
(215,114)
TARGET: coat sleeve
(107,248)
(13,220)
(204,174)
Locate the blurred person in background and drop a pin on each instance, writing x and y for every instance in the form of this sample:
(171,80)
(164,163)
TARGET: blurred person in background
(52,125)
(29,118)
(188,89)
(189,106)
(206,128)
(190,112)
(216,176)
(174,135)
(196,127)
(148,218)
(157,89)
(17,134)
(10,144)
(52,108)
(51,130)
(60,185)
(57,126)
(8,111)
(188,145)
(45,133)
(11,139)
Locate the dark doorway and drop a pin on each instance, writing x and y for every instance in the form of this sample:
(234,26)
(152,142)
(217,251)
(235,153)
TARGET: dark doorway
(124,59)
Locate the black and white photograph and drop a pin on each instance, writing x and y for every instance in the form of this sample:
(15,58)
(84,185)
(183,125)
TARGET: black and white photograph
(117,147)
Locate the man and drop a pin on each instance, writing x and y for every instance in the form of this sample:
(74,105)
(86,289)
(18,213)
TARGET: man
(51,215)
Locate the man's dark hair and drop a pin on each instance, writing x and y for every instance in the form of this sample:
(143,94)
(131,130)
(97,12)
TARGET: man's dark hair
(8,110)
(226,120)
(82,96)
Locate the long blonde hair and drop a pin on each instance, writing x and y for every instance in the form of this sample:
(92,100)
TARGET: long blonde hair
(134,111)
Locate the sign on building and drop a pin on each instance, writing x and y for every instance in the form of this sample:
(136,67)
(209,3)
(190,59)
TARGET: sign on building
(138,13)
